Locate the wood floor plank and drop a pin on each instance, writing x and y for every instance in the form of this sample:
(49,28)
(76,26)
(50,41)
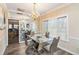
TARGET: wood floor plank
(20,49)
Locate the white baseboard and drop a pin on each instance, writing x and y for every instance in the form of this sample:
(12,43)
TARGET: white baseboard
(67,50)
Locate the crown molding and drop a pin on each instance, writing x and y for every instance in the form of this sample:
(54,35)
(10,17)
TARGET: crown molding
(53,9)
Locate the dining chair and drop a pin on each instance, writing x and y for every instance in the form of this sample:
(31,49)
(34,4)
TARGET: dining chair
(32,47)
(54,44)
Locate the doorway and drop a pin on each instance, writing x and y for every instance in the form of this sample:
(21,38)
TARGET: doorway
(13,31)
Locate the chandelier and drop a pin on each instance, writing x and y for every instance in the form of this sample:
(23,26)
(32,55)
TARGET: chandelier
(34,12)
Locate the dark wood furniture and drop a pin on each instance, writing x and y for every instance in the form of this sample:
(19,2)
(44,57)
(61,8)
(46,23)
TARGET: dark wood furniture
(13,36)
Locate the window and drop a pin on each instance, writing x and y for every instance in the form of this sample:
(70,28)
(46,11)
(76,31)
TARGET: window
(16,26)
(45,26)
(57,27)
(10,26)
(52,27)
(63,27)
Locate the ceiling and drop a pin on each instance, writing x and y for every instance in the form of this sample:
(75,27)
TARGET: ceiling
(27,7)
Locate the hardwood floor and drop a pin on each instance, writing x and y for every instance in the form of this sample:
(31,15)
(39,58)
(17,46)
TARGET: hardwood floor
(16,49)
(20,49)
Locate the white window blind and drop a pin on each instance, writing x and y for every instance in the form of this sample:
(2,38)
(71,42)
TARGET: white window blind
(57,27)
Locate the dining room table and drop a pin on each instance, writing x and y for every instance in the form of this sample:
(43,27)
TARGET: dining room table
(42,40)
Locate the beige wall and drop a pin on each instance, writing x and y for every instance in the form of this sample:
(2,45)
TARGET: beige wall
(4,32)
(72,10)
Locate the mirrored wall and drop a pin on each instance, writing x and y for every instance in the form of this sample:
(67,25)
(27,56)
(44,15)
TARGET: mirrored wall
(23,28)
